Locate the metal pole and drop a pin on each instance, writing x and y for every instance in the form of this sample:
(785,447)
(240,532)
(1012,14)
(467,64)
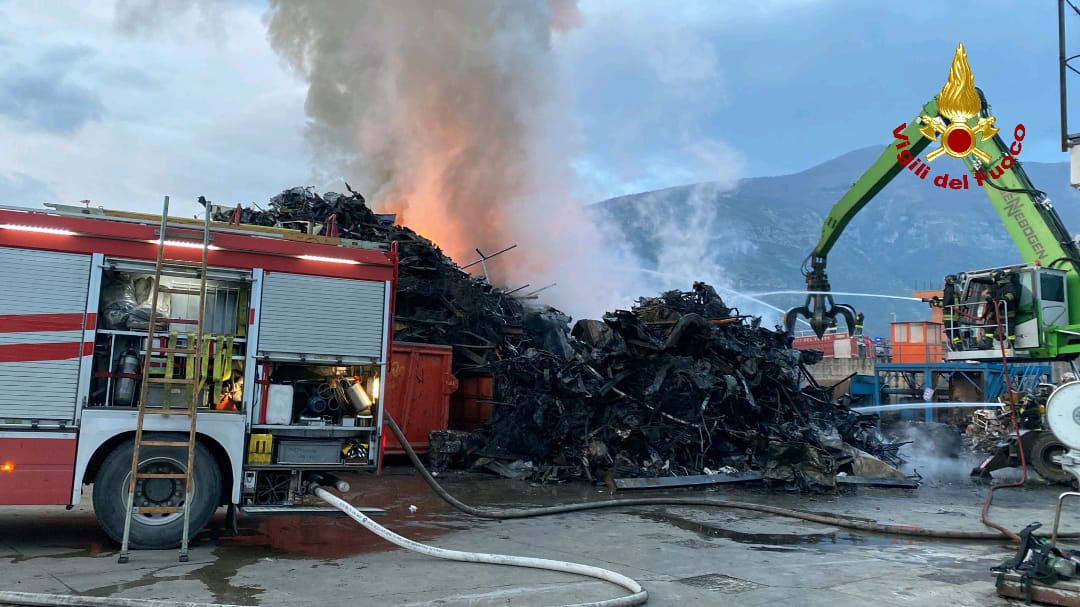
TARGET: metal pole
(540,289)
(484,258)
(1061,76)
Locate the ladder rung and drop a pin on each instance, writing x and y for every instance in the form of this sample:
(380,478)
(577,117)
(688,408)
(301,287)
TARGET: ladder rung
(180,291)
(157,509)
(170,411)
(165,350)
(163,443)
(160,475)
(170,380)
(180,263)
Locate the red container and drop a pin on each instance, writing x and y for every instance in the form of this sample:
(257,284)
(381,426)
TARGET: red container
(471,405)
(835,345)
(417,393)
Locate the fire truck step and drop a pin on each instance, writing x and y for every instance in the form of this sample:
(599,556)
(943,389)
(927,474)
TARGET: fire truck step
(273,510)
(160,475)
(158,509)
(164,443)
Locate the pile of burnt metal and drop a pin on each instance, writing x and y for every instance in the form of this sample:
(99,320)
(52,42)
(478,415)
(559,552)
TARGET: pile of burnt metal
(437,302)
(679,385)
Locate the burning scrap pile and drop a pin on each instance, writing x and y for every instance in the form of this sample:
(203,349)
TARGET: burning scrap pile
(437,302)
(680,384)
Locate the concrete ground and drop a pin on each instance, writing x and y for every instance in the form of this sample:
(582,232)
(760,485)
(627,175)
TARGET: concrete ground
(681,555)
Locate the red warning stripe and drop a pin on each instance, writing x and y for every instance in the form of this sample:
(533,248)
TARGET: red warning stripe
(24,353)
(24,323)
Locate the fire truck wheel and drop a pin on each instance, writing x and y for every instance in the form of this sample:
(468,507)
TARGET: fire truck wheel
(1046,446)
(155,530)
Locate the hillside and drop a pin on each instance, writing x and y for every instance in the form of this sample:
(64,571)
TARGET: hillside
(758,234)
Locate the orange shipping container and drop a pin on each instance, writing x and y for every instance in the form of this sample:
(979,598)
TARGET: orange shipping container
(418,388)
(471,406)
(917,342)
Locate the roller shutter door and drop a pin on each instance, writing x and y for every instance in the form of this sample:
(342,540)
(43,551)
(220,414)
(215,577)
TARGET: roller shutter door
(320,319)
(42,318)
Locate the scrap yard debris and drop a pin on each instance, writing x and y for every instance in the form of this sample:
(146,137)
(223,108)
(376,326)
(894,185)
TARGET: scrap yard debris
(680,384)
(437,302)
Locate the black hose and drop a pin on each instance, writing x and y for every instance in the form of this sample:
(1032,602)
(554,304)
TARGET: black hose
(824,519)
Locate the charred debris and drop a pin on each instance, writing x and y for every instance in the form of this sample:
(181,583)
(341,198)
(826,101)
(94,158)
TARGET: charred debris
(680,384)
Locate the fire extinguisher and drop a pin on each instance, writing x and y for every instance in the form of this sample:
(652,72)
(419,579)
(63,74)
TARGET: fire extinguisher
(125,387)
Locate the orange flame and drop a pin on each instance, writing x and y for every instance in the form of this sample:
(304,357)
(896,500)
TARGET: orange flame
(959,100)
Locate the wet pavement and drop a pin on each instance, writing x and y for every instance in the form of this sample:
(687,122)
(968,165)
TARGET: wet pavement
(681,555)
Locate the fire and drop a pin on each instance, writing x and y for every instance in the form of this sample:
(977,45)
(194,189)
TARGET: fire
(959,100)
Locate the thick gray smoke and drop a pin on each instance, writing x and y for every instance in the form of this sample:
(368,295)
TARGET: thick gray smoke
(454,117)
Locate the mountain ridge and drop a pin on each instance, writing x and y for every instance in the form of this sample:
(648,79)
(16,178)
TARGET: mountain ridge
(754,236)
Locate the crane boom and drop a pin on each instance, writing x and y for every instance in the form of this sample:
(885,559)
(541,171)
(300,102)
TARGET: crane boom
(959,120)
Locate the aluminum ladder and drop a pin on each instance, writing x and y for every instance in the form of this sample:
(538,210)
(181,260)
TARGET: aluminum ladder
(192,380)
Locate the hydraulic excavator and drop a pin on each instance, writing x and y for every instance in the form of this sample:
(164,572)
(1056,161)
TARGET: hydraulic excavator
(1045,321)
(1042,319)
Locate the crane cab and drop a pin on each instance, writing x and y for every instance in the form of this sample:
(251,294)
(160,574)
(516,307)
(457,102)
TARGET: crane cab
(973,331)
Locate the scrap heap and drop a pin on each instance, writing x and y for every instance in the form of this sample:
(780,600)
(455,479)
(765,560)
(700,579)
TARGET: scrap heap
(436,303)
(679,384)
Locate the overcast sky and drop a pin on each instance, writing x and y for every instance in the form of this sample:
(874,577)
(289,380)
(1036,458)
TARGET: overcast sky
(188,98)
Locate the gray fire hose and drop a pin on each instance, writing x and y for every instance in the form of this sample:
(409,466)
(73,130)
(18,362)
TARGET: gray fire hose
(825,519)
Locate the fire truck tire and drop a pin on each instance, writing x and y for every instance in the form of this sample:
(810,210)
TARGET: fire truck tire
(155,531)
(1045,446)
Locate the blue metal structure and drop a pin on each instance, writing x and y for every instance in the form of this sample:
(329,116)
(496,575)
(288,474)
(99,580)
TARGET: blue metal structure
(988,378)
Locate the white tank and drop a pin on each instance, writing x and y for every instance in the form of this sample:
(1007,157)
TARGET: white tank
(279,404)
(358,397)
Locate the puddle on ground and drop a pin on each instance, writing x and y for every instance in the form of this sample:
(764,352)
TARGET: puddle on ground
(215,575)
(77,534)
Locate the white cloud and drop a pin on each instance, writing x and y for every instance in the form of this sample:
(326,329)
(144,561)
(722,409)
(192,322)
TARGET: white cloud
(184,113)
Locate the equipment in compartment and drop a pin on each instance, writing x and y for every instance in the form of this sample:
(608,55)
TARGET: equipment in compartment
(279,405)
(125,386)
(317,395)
(260,448)
(125,301)
(358,397)
(298,451)
(120,348)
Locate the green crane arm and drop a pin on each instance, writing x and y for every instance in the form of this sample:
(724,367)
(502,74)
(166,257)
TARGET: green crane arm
(819,307)
(1028,216)
(872,181)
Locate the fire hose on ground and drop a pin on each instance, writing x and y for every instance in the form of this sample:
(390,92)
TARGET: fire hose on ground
(825,519)
(638,596)
(1019,439)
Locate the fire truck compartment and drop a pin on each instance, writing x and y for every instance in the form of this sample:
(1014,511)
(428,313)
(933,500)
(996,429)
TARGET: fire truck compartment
(42,323)
(316,319)
(120,341)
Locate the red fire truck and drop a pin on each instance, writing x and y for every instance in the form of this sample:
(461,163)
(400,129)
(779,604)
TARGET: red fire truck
(296,332)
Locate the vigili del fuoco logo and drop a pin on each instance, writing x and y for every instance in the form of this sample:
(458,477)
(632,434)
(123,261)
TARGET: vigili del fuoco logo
(958,102)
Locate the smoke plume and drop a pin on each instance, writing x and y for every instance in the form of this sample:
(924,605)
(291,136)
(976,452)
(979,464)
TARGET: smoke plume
(453,117)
